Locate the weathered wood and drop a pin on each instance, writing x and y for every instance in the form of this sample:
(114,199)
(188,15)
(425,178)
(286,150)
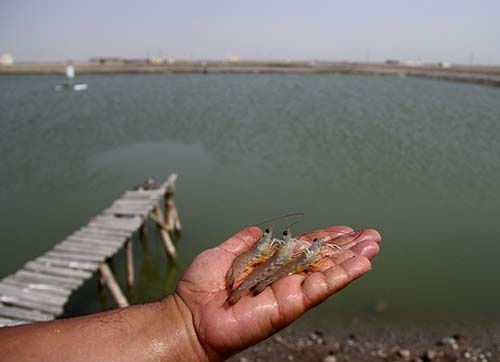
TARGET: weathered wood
(167,241)
(37,287)
(127,211)
(177,221)
(85,248)
(111,226)
(34,305)
(4,322)
(58,271)
(24,314)
(137,203)
(113,286)
(132,224)
(143,194)
(102,231)
(169,217)
(159,222)
(98,237)
(104,243)
(40,290)
(28,294)
(74,256)
(68,263)
(129,251)
(110,219)
(48,279)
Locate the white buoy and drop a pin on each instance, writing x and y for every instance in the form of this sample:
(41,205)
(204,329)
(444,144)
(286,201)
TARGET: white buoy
(70,72)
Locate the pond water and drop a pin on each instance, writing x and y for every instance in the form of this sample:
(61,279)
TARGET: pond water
(419,160)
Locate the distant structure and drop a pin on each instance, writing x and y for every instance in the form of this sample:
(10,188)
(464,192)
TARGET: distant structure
(6,59)
(444,64)
(155,60)
(107,60)
(231,58)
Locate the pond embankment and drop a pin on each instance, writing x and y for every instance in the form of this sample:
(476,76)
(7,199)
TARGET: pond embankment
(486,75)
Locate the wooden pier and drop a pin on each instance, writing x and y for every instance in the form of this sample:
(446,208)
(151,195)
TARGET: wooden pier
(39,291)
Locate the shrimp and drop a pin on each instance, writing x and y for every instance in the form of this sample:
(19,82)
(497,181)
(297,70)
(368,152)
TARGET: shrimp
(301,263)
(257,255)
(308,260)
(284,253)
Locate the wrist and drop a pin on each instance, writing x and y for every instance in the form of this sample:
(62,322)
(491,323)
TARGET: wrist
(179,332)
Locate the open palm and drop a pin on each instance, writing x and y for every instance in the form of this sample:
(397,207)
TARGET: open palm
(223,330)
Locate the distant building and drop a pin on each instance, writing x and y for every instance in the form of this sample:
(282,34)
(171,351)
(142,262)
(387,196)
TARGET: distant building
(444,64)
(232,58)
(107,60)
(155,60)
(6,59)
(136,61)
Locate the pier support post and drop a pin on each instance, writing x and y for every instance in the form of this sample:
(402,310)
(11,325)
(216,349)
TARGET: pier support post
(157,216)
(171,215)
(130,262)
(113,285)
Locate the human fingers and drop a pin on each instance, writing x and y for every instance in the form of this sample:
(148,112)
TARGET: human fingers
(241,241)
(318,286)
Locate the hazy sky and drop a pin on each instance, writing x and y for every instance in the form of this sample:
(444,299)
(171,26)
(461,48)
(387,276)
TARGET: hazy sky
(428,30)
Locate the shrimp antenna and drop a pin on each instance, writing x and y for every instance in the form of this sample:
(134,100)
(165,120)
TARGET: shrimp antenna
(289,226)
(301,214)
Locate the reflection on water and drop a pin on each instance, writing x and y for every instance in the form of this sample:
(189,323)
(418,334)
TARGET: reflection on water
(417,159)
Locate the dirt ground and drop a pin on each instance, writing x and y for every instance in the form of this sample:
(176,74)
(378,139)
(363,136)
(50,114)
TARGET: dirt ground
(364,342)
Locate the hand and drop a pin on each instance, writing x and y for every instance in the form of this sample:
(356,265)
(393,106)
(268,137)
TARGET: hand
(223,330)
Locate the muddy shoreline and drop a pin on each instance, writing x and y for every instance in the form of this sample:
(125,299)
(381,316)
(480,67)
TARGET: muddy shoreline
(374,342)
(485,75)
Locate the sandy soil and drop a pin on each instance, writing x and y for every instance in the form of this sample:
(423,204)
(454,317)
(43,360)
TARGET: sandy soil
(365,342)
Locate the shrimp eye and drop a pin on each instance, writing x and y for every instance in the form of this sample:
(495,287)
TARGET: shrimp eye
(315,240)
(285,233)
(267,231)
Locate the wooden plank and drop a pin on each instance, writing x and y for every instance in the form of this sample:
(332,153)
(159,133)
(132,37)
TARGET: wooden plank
(80,248)
(131,224)
(113,285)
(118,220)
(68,263)
(105,243)
(58,271)
(24,314)
(32,277)
(101,236)
(24,303)
(109,226)
(74,256)
(134,203)
(143,194)
(92,248)
(124,211)
(4,322)
(37,287)
(28,294)
(101,231)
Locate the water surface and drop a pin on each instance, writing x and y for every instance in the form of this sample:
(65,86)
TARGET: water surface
(417,159)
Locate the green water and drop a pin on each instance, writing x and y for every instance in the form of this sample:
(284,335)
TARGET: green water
(417,159)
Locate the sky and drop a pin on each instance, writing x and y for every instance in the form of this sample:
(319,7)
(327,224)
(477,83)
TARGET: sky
(457,31)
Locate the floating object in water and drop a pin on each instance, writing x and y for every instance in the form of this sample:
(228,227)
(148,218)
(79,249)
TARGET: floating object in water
(69,85)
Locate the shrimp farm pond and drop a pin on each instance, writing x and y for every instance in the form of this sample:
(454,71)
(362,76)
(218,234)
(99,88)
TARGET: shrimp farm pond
(418,160)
